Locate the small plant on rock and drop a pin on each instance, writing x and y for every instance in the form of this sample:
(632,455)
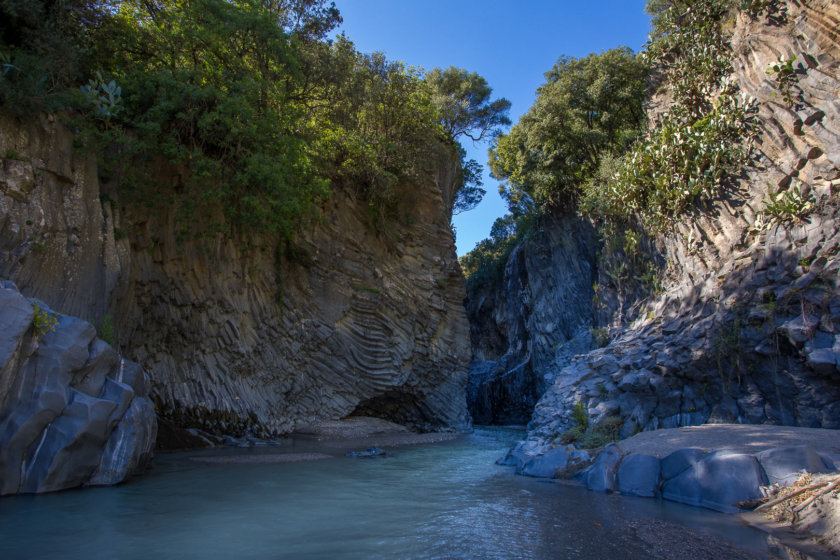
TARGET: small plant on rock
(785,76)
(787,208)
(43,320)
(579,415)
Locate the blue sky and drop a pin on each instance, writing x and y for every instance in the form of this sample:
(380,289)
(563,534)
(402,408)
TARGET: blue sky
(511,43)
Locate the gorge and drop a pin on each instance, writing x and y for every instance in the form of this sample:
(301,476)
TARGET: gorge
(164,284)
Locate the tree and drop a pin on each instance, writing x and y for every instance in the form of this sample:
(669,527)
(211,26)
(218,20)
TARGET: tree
(587,108)
(463,102)
(470,194)
(463,99)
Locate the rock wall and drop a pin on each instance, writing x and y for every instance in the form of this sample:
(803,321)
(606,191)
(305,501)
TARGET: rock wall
(72,411)
(527,328)
(747,327)
(237,338)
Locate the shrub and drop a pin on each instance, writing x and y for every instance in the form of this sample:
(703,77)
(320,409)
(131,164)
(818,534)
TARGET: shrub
(579,415)
(43,320)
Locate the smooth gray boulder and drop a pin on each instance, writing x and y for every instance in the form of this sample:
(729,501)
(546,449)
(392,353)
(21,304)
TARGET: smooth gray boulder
(66,417)
(638,475)
(679,461)
(519,454)
(545,465)
(785,464)
(718,481)
(601,476)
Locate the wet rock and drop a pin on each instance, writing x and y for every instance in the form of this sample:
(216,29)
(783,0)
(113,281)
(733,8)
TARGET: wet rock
(546,464)
(601,476)
(369,453)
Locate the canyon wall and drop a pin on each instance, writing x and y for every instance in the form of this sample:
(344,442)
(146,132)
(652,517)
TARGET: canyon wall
(746,327)
(240,337)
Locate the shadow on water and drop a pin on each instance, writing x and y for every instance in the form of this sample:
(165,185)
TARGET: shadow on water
(443,500)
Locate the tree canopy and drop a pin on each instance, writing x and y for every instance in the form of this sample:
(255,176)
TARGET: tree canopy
(588,107)
(463,99)
(265,113)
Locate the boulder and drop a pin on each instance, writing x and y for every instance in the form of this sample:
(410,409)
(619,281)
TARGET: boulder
(718,481)
(601,476)
(784,465)
(66,420)
(519,454)
(679,461)
(639,475)
(545,465)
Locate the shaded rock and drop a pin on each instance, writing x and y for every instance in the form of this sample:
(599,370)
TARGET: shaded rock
(638,475)
(65,421)
(718,481)
(601,476)
(679,461)
(172,437)
(519,454)
(545,465)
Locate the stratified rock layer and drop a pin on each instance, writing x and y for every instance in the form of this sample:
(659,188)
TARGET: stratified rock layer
(72,412)
(240,337)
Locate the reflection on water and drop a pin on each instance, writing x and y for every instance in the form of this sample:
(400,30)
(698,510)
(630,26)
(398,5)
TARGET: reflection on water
(445,500)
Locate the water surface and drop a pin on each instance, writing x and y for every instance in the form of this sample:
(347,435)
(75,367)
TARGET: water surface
(444,500)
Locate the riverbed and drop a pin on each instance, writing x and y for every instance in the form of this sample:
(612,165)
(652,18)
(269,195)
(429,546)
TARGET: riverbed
(440,500)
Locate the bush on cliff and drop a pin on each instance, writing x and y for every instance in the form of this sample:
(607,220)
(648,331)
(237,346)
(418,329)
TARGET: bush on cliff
(259,113)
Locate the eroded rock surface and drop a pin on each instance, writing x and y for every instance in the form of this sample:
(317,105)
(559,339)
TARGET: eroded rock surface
(243,337)
(746,327)
(72,411)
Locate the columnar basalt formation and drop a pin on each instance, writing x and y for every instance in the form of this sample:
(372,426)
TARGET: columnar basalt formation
(238,336)
(72,411)
(746,329)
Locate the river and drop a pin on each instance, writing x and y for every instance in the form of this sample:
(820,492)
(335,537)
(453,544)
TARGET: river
(443,500)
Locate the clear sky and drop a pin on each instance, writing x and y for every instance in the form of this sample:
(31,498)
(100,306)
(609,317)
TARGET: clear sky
(512,43)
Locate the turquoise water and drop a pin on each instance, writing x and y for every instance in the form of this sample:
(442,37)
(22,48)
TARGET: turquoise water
(444,500)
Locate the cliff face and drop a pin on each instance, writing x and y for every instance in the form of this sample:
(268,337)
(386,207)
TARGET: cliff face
(236,339)
(528,327)
(747,327)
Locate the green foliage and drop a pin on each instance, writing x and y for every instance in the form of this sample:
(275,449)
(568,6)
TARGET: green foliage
(786,208)
(681,162)
(604,432)
(44,50)
(599,435)
(691,154)
(600,336)
(485,264)
(106,330)
(774,10)
(104,97)
(464,105)
(208,86)
(43,321)
(258,116)
(470,193)
(588,108)
(785,76)
(579,415)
